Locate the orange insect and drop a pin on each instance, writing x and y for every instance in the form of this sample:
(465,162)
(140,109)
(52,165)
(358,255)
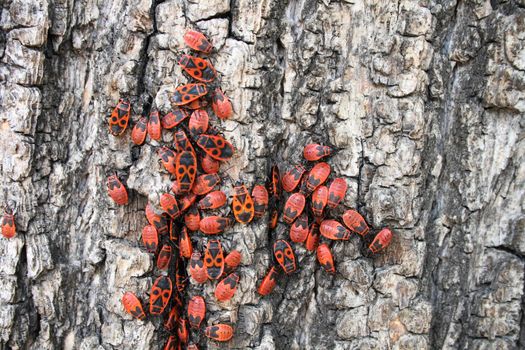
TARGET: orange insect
(171,344)
(173,118)
(299,229)
(133,306)
(197,41)
(284,255)
(242,205)
(232,260)
(273,219)
(157,221)
(198,68)
(164,258)
(219,332)
(160,295)
(214,259)
(182,331)
(8,223)
(210,165)
(181,278)
(117,191)
(187,93)
(187,201)
(213,200)
(118,121)
(173,318)
(275,186)
(215,146)
(355,222)
(139,132)
(192,219)
(199,103)
(154,127)
(196,311)
(294,207)
(197,269)
(169,205)
(292,178)
(313,237)
(226,288)
(150,238)
(319,200)
(269,282)
(325,258)
(221,104)
(182,142)
(314,151)
(381,241)
(168,157)
(260,200)
(205,183)
(186,169)
(332,229)
(337,192)
(198,122)
(317,176)
(186,248)
(212,225)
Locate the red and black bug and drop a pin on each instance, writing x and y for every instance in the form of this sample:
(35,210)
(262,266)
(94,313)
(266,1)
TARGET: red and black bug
(159,222)
(182,331)
(168,157)
(325,258)
(219,332)
(355,222)
(381,241)
(163,260)
(299,229)
(173,318)
(294,207)
(198,122)
(205,183)
(313,237)
(275,186)
(182,142)
(154,127)
(260,200)
(192,219)
(169,205)
(332,229)
(292,178)
(273,219)
(8,223)
(214,259)
(232,260)
(198,68)
(133,306)
(213,200)
(160,295)
(314,151)
(319,200)
(187,201)
(187,93)
(117,191)
(173,118)
(171,343)
(196,311)
(221,104)
(186,248)
(118,121)
(150,238)
(139,132)
(212,225)
(337,192)
(226,288)
(186,169)
(197,269)
(181,278)
(215,146)
(284,255)
(174,235)
(317,176)
(210,165)
(242,205)
(200,103)
(197,41)
(269,282)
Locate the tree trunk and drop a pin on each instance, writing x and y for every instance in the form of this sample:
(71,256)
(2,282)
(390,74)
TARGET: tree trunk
(423,99)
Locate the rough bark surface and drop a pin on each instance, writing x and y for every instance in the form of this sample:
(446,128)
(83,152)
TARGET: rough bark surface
(424,98)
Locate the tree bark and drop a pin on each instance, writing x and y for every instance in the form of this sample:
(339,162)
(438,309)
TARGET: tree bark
(424,99)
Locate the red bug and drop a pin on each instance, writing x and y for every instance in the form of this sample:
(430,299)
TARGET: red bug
(197,41)
(192,219)
(294,207)
(171,343)
(117,191)
(173,318)
(332,229)
(314,151)
(325,258)
(173,118)
(199,103)
(182,331)
(319,200)
(214,259)
(164,258)
(292,178)
(269,282)
(181,278)
(186,248)
(210,165)
(168,157)
(154,127)
(337,192)
(169,205)
(157,221)
(313,237)
(299,229)
(260,200)
(284,255)
(196,311)
(212,225)
(187,93)
(182,142)
(222,107)
(213,200)
(139,132)
(273,219)
(198,68)
(226,288)
(118,121)
(198,122)
(160,295)
(242,205)
(150,238)
(205,183)
(381,241)
(317,176)
(187,201)
(186,169)
(355,222)
(219,332)
(133,306)
(8,223)
(215,146)
(197,269)
(232,260)
(275,187)
(174,235)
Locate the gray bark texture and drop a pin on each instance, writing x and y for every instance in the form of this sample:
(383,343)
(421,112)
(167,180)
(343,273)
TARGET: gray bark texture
(425,100)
